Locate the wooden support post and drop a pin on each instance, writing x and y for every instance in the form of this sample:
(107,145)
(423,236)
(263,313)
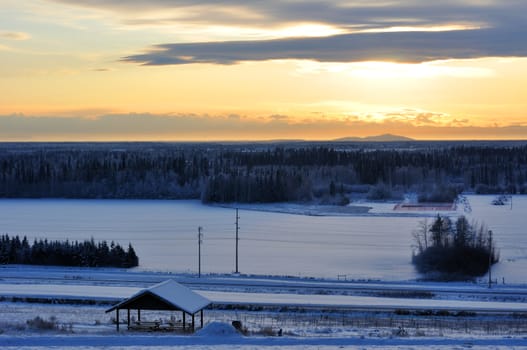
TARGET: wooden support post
(117,318)
(128,318)
(138,315)
(193,324)
(201,318)
(183,320)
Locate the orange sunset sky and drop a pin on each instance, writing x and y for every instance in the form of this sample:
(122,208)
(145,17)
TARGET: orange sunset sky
(181,70)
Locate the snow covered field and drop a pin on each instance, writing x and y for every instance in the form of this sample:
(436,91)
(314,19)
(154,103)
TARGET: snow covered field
(347,243)
(373,249)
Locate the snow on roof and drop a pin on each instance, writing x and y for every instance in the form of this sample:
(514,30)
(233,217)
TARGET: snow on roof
(172,293)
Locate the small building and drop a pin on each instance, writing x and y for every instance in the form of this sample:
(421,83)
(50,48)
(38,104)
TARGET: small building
(165,296)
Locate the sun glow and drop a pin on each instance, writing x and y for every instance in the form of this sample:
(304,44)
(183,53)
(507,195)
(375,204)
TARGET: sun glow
(438,28)
(392,70)
(259,33)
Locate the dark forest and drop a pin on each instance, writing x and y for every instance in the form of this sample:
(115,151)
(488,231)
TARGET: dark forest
(330,173)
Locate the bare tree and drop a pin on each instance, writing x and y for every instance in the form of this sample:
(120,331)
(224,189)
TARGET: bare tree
(420,235)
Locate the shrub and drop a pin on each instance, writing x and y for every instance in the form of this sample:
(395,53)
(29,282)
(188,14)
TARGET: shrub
(267,331)
(441,194)
(237,324)
(460,261)
(443,313)
(379,192)
(402,312)
(38,323)
(464,313)
(400,332)
(419,333)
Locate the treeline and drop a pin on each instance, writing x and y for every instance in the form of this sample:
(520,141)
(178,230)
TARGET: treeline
(448,250)
(14,250)
(259,172)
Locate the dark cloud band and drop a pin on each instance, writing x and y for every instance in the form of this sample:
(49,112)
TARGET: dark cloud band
(389,46)
(364,13)
(503,34)
(205,127)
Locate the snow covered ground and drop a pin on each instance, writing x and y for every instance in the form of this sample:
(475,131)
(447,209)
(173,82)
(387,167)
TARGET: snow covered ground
(171,342)
(370,251)
(314,321)
(88,327)
(354,245)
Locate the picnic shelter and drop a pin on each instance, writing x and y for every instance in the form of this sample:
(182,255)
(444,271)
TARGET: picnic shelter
(165,296)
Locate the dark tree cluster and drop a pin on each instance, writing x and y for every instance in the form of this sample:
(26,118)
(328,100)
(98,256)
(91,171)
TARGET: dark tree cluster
(101,171)
(264,186)
(14,250)
(260,172)
(459,250)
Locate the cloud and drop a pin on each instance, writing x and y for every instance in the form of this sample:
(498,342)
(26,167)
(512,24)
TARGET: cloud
(408,47)
(143,125)
(356,13)
(233,127)
(418,117)
(14,35)
(342,30)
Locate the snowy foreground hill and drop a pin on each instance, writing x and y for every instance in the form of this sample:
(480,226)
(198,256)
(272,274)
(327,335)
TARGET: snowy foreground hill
(312,314)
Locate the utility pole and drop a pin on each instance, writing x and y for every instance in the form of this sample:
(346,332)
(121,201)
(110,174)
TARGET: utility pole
(200,240)
(490,258)
(237,239)
(426,233)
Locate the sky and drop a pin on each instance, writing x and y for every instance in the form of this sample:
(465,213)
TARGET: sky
(203,70)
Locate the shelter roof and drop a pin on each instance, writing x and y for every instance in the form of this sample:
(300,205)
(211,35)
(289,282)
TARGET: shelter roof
(171,294)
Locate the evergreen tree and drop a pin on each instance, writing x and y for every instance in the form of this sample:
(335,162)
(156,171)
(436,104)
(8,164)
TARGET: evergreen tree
(63,253)
(463,236)
(437,232)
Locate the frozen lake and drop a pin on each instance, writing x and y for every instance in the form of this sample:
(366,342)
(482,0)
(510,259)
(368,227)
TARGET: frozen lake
(164,234)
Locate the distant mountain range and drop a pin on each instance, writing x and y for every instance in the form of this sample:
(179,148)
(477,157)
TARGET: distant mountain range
(377,138)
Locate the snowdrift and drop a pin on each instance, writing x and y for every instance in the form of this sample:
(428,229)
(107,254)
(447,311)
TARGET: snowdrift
(218,329)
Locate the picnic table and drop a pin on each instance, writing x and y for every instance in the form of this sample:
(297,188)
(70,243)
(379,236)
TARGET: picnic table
(152,326)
